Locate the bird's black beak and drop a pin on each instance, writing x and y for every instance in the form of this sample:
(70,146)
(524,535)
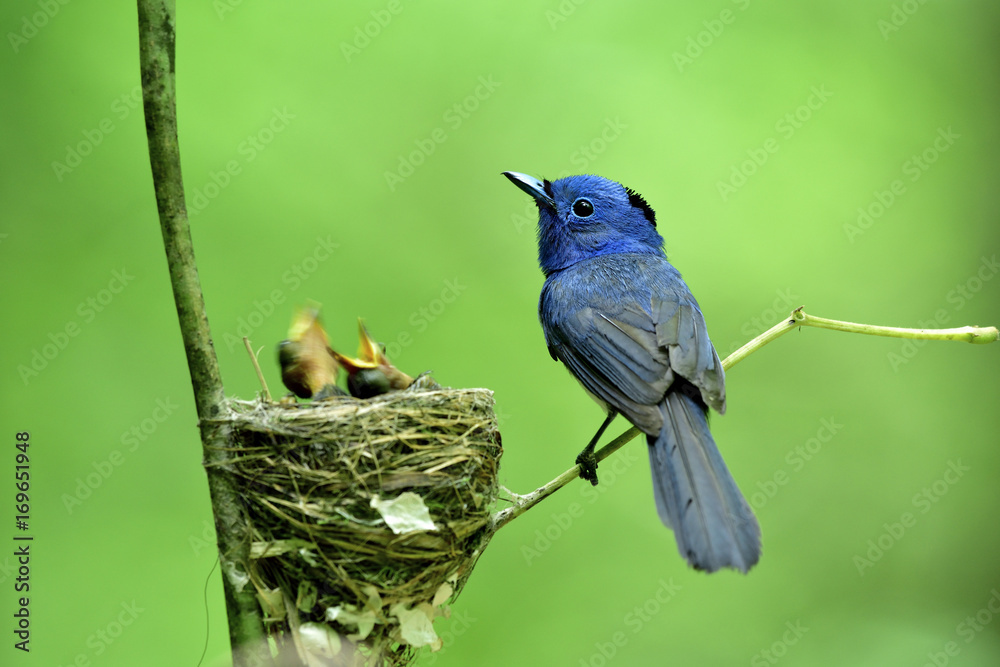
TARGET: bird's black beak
(532,186)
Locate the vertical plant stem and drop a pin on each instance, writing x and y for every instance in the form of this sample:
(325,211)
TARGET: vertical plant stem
(156,58)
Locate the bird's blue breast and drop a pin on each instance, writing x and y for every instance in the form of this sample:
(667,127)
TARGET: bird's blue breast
(610,282)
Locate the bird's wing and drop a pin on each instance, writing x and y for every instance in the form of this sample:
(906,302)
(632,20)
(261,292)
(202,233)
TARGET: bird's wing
(680,329)
(628,357)
(614,354)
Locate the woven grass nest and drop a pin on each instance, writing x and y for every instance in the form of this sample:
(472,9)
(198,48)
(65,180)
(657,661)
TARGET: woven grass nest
(366,516)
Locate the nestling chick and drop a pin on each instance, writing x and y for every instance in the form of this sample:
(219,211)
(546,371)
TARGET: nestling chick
(371,374)
(308,366)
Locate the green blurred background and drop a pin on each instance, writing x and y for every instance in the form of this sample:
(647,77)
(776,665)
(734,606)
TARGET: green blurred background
(291,117)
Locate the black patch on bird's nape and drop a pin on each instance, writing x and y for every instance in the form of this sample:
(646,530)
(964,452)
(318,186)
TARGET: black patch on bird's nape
(638,202)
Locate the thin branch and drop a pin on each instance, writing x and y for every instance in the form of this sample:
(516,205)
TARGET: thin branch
(524,503)
(798,318)
(778,330)
(156,62)
(978,335)
(256,367)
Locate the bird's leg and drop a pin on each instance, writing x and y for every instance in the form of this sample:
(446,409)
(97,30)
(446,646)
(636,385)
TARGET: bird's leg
(586,459)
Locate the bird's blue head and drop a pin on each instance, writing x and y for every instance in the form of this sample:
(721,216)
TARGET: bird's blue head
(580,217)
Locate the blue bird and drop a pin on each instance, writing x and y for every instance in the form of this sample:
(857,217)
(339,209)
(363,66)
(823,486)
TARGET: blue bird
(622,320)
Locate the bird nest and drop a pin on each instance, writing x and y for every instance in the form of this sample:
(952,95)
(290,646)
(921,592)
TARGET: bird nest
(366,516)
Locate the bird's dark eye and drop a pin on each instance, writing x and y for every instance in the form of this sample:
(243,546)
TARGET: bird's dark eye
(582,208)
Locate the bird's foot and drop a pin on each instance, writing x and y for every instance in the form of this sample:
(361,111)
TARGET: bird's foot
(588,466)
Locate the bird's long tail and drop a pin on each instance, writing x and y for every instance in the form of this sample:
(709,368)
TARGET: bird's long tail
(696,495)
